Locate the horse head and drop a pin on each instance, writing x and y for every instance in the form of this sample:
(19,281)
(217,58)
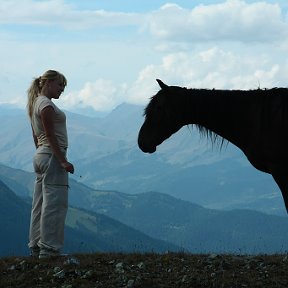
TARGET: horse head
(161,120)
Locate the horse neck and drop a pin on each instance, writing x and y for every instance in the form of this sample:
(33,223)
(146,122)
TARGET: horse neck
(223,112)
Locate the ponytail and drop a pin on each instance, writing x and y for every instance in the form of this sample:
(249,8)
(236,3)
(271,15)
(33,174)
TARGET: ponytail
(33,92)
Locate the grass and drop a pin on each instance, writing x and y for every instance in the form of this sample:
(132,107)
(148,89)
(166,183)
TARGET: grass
(151,270)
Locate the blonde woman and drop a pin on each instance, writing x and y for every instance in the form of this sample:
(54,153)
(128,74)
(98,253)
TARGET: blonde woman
(50,198)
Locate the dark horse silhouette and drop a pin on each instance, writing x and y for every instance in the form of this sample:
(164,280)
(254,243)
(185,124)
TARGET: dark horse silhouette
(256,121)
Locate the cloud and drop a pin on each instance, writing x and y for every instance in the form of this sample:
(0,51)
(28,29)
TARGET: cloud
(232,20)
(215,67)
(212,68)
(231,45)
(61,13)
(101,95)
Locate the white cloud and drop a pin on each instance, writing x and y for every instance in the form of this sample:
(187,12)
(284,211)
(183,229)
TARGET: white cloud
(101,95)
(231,45)
(211,68)
(214,67)
(232,20)
(60,13)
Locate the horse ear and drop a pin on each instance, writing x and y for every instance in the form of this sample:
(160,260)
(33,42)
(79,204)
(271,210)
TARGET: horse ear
(161,84)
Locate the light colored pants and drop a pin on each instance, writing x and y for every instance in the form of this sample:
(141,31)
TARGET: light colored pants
(50,201)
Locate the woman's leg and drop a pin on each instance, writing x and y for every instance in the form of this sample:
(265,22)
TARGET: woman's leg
(54,207)
(34,233)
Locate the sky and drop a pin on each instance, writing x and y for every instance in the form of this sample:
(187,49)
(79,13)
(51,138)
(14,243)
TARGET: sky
(112,51)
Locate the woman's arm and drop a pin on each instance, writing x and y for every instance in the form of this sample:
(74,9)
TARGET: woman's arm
(34,138)
(47,115)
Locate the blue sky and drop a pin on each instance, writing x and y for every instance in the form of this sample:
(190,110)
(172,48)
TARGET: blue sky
(112,51)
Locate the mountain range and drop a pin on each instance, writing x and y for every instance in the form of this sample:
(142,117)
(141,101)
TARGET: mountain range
(85,231)
(105,154)
(101,220)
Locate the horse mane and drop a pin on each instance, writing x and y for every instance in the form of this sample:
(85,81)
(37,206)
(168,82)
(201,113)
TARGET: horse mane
(150,104)
(209,135)
(216,139)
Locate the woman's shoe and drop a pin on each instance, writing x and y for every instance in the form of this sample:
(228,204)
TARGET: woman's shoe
(48,253)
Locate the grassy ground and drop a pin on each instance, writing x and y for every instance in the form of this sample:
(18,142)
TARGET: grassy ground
(146,270)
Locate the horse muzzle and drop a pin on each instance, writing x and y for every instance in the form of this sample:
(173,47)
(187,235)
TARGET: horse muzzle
(146,148)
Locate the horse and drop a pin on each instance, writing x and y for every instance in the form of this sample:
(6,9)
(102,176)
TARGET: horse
(256,121)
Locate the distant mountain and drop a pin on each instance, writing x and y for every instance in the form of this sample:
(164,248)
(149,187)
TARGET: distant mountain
(19,181)
(14,223)
(166,218)
(105,153)
(85,231)
(97,232)
(191,226)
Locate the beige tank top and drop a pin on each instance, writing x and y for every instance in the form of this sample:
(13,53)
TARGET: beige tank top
(59,122)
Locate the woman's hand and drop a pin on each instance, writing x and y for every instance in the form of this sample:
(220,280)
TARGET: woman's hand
(68,167)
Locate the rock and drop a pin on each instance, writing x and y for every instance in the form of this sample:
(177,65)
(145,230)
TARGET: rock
(87,274)
(56,269)
(141,265)
(60,274)
(130,283)
(212,256)
(119,267)
(184,278)
(12,267)
(71,261)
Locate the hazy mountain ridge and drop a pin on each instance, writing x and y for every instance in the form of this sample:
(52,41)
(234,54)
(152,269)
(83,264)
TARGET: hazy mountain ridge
(105,153)
(85,231)
(13,221)
(163,217)
(193,227)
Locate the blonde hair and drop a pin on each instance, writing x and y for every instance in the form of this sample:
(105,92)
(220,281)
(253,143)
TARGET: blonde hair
(38,84)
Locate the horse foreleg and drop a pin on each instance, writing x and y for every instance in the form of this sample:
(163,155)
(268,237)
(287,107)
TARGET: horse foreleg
(282,182)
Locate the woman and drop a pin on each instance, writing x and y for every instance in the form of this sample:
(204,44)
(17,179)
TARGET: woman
(50,198)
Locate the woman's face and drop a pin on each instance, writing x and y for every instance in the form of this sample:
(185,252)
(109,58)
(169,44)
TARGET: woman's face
(55,88)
